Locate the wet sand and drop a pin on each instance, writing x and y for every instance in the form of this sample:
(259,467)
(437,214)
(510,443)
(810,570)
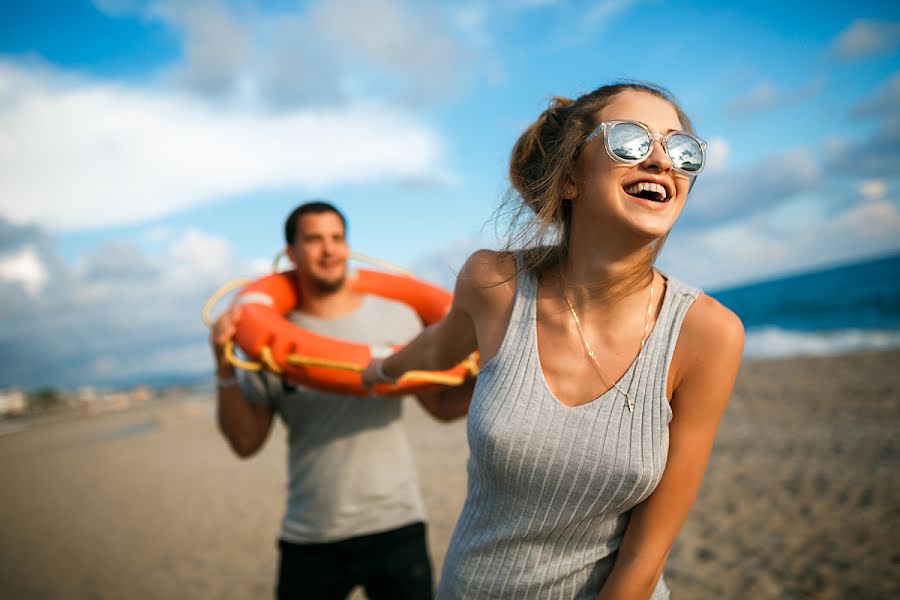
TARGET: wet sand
(801,499)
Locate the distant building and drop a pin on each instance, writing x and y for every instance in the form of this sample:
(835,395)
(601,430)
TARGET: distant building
(12,402)
(87,397)
(118,400)
(87,393)
(141,393)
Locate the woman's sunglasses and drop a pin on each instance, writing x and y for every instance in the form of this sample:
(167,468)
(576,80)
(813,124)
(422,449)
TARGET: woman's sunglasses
(631,142)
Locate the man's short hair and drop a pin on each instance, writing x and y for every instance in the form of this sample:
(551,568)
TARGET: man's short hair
(315,207)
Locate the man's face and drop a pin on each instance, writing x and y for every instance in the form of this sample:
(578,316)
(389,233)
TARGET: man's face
(320,251)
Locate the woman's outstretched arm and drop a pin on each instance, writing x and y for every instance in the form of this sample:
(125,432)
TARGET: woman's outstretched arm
(484,289)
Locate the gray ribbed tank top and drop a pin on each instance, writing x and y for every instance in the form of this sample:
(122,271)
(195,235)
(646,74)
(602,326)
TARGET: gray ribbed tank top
(551,487)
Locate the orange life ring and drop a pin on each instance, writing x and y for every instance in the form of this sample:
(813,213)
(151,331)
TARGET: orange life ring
(303,357)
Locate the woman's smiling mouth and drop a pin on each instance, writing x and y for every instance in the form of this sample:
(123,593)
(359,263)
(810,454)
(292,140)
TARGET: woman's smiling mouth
(647,190)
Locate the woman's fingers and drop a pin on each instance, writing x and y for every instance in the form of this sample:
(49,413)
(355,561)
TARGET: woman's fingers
(370,374)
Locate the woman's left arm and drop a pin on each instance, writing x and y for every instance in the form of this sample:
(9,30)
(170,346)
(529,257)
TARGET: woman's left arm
(707,356)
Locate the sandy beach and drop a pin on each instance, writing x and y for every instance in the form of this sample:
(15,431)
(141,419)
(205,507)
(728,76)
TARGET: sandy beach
(801,499)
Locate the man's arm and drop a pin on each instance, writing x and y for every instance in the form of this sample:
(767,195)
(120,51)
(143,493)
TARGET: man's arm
(449,403)
(245,425)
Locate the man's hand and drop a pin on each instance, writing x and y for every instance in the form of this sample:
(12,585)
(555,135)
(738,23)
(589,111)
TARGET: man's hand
(222,332)
(246,426)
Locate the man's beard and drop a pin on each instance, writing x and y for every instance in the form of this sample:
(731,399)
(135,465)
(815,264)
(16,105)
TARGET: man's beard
(325,286)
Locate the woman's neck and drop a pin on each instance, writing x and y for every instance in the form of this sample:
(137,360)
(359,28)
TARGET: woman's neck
(606,273)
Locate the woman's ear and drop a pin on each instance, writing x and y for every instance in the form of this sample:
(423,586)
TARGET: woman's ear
(570,190)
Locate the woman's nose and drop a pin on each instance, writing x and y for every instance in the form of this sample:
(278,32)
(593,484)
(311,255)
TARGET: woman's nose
(658,157)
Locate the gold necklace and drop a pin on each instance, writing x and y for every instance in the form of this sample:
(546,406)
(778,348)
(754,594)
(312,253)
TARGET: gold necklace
(593,355)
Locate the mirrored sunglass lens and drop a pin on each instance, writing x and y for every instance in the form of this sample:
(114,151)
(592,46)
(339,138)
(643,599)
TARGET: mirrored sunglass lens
(628,141)
(685,153)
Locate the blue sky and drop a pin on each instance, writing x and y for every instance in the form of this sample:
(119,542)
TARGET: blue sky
(151,149)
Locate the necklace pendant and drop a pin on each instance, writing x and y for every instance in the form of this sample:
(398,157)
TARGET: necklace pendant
(593,355)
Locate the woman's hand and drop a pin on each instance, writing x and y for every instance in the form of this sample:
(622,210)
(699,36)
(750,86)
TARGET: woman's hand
(370,374)
(374,373)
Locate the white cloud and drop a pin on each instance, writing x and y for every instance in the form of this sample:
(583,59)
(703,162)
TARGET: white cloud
(766,95)
(760,248)
(762,96)
(471,17)
(885,101)
(104,324)
(717,152)
(79,154)
(260,266)
(117,259)
(116,8)
(442,267)
(874,220)
(157,234)
(426,50)
(873,189)
(601,12)
(330,51)
(877,154)
(24,267)
(868,37)
(218,45)
(722,255)
(472,23)
(188,359)
(198,253)
(727,196)
(572,24)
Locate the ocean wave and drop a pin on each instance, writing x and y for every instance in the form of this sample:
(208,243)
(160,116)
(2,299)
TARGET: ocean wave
(777,342)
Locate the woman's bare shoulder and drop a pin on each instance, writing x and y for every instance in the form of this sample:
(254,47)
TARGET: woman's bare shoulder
(486,282)
(710,333)
(712,323)
(490,264)
(487,270)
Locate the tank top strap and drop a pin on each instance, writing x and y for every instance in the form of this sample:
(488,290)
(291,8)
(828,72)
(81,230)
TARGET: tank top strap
(520,328)
(526,290)
(661,345)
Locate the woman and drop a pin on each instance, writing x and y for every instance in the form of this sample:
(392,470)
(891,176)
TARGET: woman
(603,380)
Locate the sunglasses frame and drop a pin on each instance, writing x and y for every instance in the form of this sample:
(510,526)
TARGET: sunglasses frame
(606,126)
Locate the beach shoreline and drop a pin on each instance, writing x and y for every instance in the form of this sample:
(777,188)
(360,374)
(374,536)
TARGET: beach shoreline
(800,497)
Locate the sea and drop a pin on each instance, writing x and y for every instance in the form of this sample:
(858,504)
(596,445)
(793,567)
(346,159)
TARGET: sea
(832,311)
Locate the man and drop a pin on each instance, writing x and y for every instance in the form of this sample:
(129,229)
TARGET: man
(354,513)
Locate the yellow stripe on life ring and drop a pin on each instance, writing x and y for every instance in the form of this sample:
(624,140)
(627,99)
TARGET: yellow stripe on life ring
(431,377)
(309,361)
(265,355)
(237,362)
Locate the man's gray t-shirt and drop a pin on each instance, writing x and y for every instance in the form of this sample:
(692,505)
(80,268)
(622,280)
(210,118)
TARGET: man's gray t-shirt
(350,466)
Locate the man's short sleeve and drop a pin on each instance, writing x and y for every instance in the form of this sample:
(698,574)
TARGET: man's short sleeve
(260,387)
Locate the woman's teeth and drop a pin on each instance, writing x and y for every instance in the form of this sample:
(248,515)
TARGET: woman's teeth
(647,190)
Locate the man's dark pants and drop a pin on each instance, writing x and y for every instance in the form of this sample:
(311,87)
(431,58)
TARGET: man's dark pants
(390,565)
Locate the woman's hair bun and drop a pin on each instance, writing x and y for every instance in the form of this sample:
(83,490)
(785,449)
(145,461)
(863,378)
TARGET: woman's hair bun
(556,112)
